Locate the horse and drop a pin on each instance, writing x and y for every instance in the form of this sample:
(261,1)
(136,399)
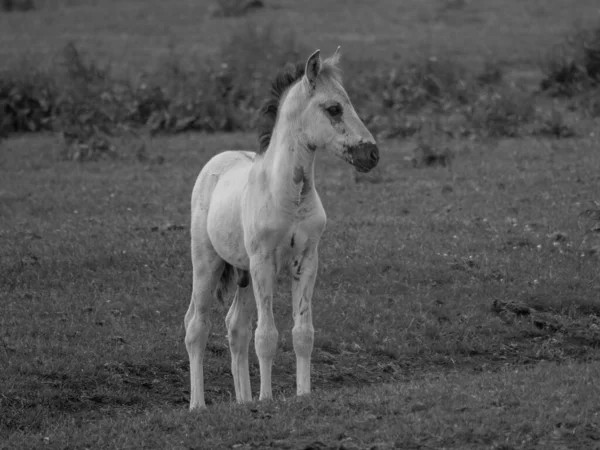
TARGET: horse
(255,213)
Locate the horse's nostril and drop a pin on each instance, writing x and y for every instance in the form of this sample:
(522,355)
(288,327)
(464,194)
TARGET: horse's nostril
(375,154)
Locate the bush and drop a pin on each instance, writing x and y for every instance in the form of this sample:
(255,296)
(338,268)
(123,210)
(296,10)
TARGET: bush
(93,109)
(397,101)
(17,5)
(86,101)
(234,8)
(431,82)
(79,96)
(501,112)
(556,126)
(574,65)
(27,102)
(221,95)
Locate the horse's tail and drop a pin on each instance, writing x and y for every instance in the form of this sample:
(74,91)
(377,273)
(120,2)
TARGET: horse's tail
(226,282)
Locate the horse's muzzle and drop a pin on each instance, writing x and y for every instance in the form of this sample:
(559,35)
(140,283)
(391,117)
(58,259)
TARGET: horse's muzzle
(365,156)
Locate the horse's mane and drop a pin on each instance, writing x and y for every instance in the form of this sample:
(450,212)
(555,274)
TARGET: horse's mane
(283,80)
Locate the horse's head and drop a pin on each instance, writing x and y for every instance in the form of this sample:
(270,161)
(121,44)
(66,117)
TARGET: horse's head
(323,117)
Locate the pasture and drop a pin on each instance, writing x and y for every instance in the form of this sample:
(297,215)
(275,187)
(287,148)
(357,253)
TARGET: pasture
(456,306)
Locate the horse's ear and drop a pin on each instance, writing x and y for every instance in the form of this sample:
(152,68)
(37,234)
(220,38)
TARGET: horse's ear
(313,67)
(335,58)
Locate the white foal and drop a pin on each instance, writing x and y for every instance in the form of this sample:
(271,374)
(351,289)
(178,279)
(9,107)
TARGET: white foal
(255,213)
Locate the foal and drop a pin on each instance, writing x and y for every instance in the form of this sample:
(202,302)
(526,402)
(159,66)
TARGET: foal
(256,213)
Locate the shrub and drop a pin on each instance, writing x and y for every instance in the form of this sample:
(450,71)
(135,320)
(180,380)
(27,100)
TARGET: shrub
(83,99)
(396,101)
(573,65)
(556,126)
(27,102)
(221,95)
(441,79)
(424,155)
(93,109)
(410,88)
(501,112)
(91,106)
(234,8)
(17,5)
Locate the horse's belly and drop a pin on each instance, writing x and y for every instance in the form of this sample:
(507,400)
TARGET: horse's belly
(224,224)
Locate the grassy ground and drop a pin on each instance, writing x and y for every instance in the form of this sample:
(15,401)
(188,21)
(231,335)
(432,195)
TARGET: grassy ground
(546,407)
(456,307)
(419,278)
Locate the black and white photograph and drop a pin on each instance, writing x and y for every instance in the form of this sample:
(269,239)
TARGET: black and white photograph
(300,225)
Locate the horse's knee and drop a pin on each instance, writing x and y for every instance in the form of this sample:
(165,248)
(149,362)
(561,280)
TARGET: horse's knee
(197,329)
(239,321)
(265,341)
(303,338)
(239,337)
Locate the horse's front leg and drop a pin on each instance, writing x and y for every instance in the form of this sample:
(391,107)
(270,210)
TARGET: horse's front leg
(304,274)
(262,270)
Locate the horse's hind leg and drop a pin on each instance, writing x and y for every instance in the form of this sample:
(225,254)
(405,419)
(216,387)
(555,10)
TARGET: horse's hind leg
(239,332)
(208,268)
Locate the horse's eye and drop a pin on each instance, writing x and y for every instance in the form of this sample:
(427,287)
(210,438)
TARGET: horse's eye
(334,111)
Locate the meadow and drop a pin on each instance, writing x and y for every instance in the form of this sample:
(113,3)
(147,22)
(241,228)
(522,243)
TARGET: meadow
(458,298)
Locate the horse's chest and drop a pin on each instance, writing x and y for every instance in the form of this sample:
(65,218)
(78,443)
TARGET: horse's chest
(297,239)
(284,233)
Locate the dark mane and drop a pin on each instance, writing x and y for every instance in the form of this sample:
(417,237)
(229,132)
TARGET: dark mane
(268,111)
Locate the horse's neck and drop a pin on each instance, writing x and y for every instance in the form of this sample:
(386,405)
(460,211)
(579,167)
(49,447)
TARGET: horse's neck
(291,167)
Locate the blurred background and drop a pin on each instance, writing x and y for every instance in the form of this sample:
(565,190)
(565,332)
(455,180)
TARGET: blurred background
(467,67)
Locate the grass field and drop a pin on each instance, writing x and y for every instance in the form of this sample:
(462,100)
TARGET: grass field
(456,307)
(135,35)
